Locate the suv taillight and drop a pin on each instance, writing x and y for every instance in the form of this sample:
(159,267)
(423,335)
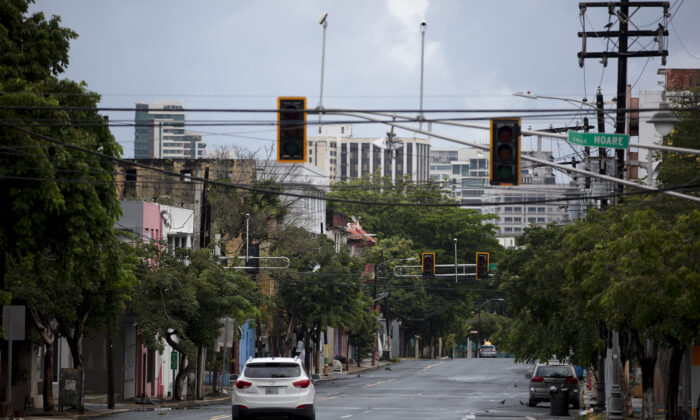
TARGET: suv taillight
(302,383)
(241,384)
(573,381)
(537,379)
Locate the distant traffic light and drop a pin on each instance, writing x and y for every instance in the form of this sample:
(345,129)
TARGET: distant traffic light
(427,264)
(505,151)
(253,261)
(482,265)
(291,130)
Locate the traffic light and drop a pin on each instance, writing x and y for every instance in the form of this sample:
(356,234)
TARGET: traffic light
(482,265)
(253,261)
(505,151)
(427,264)
(291,130)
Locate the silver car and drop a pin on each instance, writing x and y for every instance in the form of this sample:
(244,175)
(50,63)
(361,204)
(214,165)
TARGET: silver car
(560,376)
(487,350)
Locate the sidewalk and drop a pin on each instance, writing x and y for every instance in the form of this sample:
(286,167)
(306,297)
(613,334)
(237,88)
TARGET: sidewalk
(96,407)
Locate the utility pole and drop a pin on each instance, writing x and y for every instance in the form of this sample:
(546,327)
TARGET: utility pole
(621,11)
(602,153)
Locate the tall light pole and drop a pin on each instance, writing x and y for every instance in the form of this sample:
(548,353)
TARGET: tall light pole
(455,260)
(323,21)
(423,27)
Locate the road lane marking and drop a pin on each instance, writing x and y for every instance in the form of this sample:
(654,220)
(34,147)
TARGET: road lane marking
(344,417)
(378,383)
(431,366)
(327,398)
(220,417)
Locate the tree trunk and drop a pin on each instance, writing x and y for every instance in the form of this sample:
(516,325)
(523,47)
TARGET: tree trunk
(358,356)
(47,388)
(317,352)
(199,380)
(185,369)
(287,341)
(110,366)
(671,391)
(647,361)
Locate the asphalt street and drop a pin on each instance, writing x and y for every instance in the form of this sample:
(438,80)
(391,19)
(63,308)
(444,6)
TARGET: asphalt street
(459,389)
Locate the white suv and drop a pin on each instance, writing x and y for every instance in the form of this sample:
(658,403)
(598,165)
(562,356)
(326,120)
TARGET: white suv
(274,386)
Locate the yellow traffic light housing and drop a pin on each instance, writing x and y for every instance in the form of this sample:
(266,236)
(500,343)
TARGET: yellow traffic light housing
(427,264)
(291,129)
(482,265)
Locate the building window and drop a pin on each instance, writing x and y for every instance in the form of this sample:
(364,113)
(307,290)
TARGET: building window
(540,220)
(319,130)
(508,209)
(342,130)
(508,219)
(532,219)
(540,209)
(532,209)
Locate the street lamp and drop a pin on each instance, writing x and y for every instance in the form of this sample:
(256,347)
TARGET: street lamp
(323,21)
(663,119)
(478,331)
(423,27)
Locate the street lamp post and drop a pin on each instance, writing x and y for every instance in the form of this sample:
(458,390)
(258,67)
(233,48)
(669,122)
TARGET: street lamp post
(323,21)
(478,331)
(664,120)
(455,260)
(423,27)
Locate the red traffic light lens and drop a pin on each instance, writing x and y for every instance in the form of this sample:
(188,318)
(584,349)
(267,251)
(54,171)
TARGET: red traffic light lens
(505,133)
(291,112)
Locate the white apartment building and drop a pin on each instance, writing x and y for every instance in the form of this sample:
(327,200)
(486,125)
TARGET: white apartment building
(159,133)
(308,212)
(344,157)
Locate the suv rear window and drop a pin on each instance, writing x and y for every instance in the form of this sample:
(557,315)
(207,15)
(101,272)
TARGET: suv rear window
(272,370)
(488,347)
(555,372)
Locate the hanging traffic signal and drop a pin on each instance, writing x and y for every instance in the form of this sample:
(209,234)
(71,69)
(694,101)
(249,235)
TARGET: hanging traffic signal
(482,265)
(427,264)
(253,259)
(505,151)
(291,130)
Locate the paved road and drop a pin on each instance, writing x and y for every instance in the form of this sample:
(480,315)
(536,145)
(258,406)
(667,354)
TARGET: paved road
(459,389)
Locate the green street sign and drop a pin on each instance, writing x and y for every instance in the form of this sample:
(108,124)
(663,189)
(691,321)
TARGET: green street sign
(616,141)
(493,266)
(173,360)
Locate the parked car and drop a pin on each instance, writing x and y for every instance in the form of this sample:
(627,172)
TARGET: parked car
(487,350)
(557,375)
(274,386)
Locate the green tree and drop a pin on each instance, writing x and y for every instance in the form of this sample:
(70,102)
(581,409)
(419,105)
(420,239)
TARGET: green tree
(59,204)
(319,290)
(182,298)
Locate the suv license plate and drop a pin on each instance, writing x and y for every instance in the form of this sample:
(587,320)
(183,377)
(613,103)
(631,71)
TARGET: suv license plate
(272,390)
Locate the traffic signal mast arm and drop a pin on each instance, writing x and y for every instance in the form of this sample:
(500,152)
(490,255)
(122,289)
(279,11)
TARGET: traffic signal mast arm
(360,114)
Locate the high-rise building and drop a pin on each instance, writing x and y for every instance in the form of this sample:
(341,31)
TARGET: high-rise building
(160,133)
(345,157)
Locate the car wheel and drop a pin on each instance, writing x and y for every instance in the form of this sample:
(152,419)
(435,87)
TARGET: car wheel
(532,403)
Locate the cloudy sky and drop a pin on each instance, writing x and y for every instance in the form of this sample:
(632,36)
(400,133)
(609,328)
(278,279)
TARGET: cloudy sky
(243,54)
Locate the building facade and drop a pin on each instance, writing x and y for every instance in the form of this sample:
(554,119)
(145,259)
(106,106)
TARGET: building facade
(160,133)
(345,157)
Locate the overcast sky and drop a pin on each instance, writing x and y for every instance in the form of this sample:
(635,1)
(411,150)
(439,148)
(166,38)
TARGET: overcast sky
(244,54)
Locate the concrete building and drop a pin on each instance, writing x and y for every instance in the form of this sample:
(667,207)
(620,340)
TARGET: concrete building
(159,132)
(345,157)
(307,212)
